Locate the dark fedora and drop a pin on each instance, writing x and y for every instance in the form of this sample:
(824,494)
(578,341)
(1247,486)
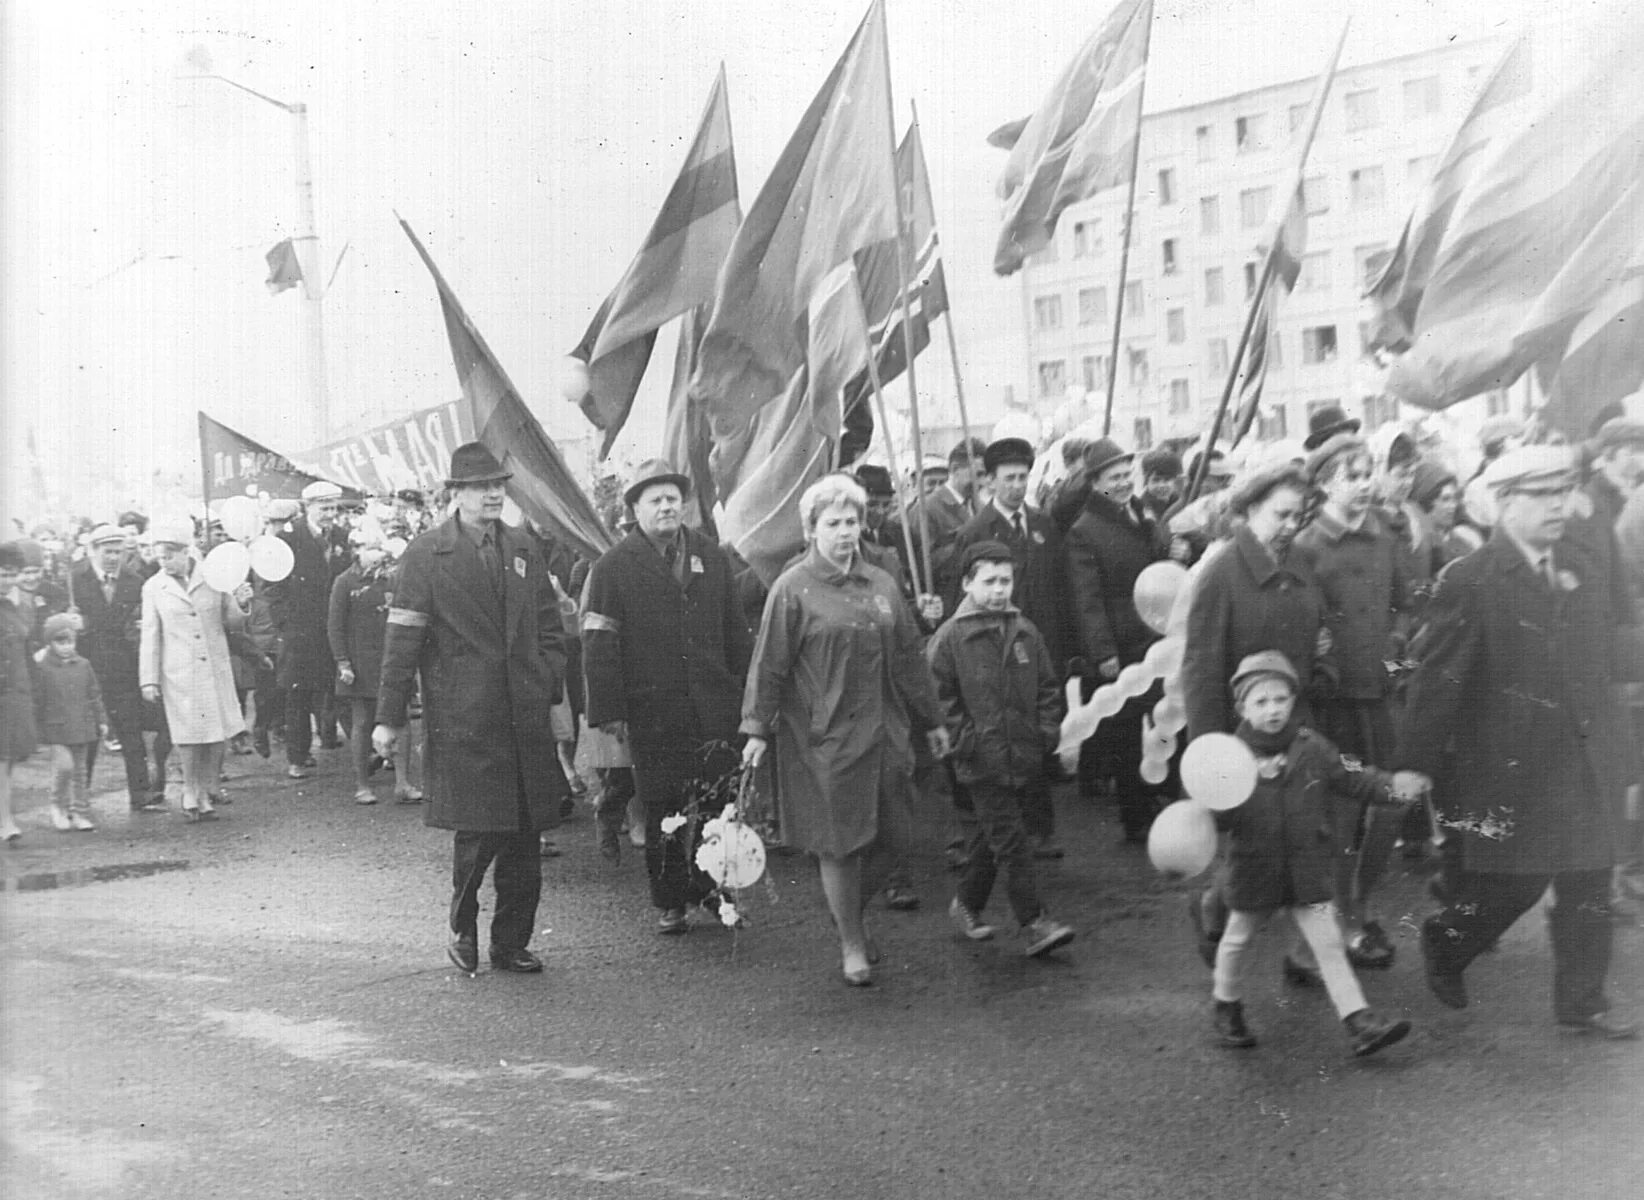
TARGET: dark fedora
(1007,450)
(657,470)
(1103,453)
(1326,423)
(875,480)
(474,463)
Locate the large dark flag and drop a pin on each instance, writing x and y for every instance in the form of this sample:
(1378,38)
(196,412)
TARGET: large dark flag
(231,464)
(542,485)
(674,271)
(1602,364)
(686,442)
(1082,138)
(1288,247)
(831,194)
(1544,226)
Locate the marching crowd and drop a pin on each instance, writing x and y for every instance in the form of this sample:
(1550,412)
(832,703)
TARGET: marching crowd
(1421,663)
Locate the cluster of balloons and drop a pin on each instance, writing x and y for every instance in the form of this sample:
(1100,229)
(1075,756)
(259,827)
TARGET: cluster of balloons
(249,549)
(1218,773)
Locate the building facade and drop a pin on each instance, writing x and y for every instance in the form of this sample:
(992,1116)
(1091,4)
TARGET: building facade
(1210,189)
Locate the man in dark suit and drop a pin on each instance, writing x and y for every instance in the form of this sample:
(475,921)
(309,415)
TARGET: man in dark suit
(1039,591)
(108,592)
(475,615)
(1513,711)
(299,604)
(665,653)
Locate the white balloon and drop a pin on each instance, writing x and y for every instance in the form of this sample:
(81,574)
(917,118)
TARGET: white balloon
(1134,680)
(1183,839)
(240,518)
(1219,770)
(1165,655)
(1155,770)
(271,558)
(574,381)
(1106,702)
(226,566)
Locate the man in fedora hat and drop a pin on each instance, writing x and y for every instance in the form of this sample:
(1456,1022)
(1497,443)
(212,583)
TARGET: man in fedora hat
(299,605)
(475,615)
(1325,422)
(665,652)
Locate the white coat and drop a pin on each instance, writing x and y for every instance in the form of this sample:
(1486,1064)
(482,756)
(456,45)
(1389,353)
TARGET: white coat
(184,652)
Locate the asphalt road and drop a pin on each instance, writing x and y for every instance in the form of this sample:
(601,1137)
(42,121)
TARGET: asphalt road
(261,1007)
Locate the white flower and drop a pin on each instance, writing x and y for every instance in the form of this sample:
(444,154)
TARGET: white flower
(672,821)
(728,916)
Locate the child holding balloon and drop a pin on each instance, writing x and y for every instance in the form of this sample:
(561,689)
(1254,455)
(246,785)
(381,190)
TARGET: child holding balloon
(1280,850)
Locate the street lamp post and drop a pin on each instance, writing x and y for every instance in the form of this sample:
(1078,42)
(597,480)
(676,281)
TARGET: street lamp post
(306,243)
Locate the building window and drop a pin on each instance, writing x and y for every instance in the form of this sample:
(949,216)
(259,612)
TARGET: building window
(1138,367)
(1275,352)
(1319,344)
(1250,133)
(1176,326)
(1169,262)
(1214,289)
(1047,313)
(1210,215)
(1361,110)
(1052,378)
(1133,299)
(1253,206)
(1419,170)
(1181,398)
(1496,404)
(1296,117)
(1271,426)
(1315,272)
(1167,186)
(1379,410)
(1087,239)
(1205,143)
(1368,262)
(1250,273)
(1316,195)
(1216,358)
(1366,187)
(1144,433)
(1093,371)
(1421,97)
(1093,306)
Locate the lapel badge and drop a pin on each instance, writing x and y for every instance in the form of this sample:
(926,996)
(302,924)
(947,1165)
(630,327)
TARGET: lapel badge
(519,565)
(696,565)
(1038,537)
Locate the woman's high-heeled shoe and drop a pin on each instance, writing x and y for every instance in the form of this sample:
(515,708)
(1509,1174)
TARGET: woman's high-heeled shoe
(856,969)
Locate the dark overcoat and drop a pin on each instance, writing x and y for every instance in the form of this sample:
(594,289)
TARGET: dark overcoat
(1512,711)
(356,625)
(1364,575)
(111,632)
(299,604)
(1107,548)
(1039,587)
(668,658)
(1244,601)
(492,659)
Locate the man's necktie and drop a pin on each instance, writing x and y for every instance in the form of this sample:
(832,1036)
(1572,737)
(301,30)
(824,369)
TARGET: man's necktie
(1016,526)
(108,589)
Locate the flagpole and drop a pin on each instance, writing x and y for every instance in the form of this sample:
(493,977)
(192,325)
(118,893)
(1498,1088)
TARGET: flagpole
(1124,250)
(907,317)
(1196,484)
(205,464)
(947,312)
(890,448)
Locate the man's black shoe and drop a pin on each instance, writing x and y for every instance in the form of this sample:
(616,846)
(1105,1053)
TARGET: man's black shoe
(522,961)
(1448,987)
(464,953)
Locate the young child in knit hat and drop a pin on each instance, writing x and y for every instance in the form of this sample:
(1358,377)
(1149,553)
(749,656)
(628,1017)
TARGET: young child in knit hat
(69,712)
(1280,850)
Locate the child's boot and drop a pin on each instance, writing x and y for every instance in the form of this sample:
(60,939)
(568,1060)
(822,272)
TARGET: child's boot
(1230,1026)
(1369,1033)
(1045,933)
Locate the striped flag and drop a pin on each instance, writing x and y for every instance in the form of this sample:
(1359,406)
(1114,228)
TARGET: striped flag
(1082,138)
(1288,247)
(831,194)
(673,272)
(1545,224)
(685,439)
(1603,363)
(542,485)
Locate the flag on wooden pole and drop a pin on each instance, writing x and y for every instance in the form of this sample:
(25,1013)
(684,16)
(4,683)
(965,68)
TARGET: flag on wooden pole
(674,271)
(542,485)
(1288,247)
(231,464)
(1082,138)
(1603,363)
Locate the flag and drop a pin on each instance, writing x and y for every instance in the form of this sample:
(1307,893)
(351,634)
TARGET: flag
(284,271)
(412,451)
(831,193)
(231,464)
(685,439)
(880,277)
(1082,138)
(1252,370)
(542,485)
(1543,227)
(1007,135)
(1602,364)
(673,272)
(1287,247)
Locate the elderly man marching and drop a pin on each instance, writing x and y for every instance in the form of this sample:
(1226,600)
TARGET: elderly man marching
(299,604)
(1512,710)
(665,652)
(475,615)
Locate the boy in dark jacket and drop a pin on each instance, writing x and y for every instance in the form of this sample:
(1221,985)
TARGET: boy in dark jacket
(1280,850)
(70,716)
(1002,708)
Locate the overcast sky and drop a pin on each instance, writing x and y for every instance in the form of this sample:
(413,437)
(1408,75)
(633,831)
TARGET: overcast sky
(528,142)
